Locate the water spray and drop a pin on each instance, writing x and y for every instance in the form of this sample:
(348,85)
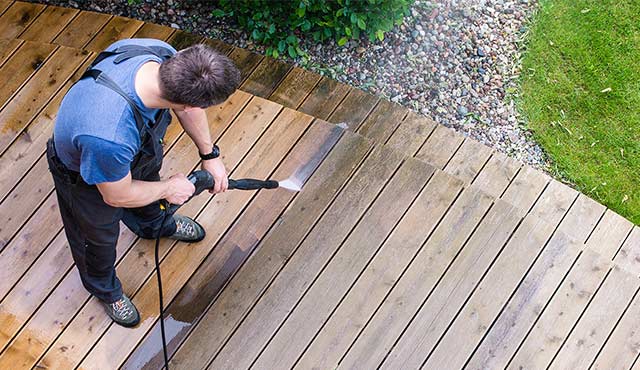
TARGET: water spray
(203,180)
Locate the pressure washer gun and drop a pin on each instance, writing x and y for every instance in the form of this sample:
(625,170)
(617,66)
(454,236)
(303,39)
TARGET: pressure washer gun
(203,180)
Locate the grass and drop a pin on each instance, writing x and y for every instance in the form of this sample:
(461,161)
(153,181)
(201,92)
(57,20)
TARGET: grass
(581,96)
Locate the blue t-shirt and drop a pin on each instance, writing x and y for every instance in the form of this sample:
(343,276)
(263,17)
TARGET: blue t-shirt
(95,131)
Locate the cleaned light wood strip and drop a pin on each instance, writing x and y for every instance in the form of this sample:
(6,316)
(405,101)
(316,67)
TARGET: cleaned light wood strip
(49,24)
(295,223)
(553,325)
(295,87)
(596,323)
(314,306)
(82,29)
(236,245)
(18,17)
(380,275)
(494,289)
(417,282)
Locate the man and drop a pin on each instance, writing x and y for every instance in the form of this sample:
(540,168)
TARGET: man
(106,153)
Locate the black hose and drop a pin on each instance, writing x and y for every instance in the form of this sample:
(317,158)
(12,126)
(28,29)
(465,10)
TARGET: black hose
(157,258)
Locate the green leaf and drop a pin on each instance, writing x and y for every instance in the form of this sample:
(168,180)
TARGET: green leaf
(292,51)
(380,35)
(256,34)
(347,31)
(218,13)
(272,28)
(282,45)
(361,24)
(291,39)
(275,53)
(306,25)
(300,12)
(342,41)
(354,18)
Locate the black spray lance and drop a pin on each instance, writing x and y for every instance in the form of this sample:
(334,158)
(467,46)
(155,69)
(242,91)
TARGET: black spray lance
(203,180)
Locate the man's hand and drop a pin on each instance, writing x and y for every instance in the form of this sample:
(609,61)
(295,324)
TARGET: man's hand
(180,189)
(219,173)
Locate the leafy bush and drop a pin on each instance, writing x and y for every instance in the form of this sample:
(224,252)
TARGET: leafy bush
(278,24)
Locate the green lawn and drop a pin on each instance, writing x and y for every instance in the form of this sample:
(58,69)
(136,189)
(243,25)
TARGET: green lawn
(581,96)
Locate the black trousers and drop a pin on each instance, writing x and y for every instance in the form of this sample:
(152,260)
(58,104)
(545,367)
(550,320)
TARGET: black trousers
(92,226)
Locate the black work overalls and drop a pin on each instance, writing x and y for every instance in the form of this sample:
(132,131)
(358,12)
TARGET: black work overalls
(92,227)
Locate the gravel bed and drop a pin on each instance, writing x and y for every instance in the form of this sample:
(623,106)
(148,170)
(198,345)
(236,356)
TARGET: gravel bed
(456,61)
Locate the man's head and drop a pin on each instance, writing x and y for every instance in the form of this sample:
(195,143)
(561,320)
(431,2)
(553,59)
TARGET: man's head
(198,76)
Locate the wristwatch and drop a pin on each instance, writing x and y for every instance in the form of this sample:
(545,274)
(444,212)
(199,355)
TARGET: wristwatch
(215,153)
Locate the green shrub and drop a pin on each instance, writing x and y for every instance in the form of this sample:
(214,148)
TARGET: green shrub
(278,24)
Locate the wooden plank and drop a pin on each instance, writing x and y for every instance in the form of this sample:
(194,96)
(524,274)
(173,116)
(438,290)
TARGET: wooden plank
(7,48)
(313,301)
(182,40)
(320,191)
(65,304)
(18,17)
(118,28)
(265,77)
(22,65)
(135,269)
(494,289)
(629,255)
(82,29)
(497,174)
(608,305)
(324,97)
(49,24)
(456,286)
(222,47)
(526,188)
(414,286)
(380,275)
(354,109)
(412,133)
(330,232)
(30,99)
(216,218)
(154,31)
(383,121)
(468,160)
(245,60)
(29,146)
(4,5)
(440,147)
(582,218)
(621,349)
(508,330)
(236,245)
(610,233)
(295,87)
(554,203)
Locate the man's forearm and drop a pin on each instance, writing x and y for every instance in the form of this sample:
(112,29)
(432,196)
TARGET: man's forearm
(194,122)
(139,194)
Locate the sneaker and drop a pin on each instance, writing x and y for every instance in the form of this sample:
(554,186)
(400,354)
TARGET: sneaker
(123,312)
(187,230)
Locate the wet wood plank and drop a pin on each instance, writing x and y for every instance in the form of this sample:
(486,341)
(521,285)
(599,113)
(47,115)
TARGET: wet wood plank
(314,303)
(380,275)
(137,266)
(491,293)
(18,17)
(7,48)
(116,29)
(497,174)
(412,133)
(295,223)
(34,95)
(621,349)
(82,29)
(440,147)
(353,110)
(219,119)
(324,97)
(22,65)
(595,325)
(265,77)
(49,24)
(456,286)
(246,61)
(411,290)
(237,244)
(295,87)
(383,121)
(610,233)
(220,46)
(468,161)
(154,31)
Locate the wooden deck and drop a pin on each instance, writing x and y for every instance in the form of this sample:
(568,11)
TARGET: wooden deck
(410,245)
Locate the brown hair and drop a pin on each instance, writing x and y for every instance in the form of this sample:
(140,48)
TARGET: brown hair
(198,76)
